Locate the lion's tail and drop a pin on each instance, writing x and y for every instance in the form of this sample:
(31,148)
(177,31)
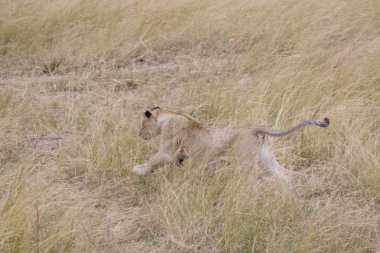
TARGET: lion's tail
(272,132)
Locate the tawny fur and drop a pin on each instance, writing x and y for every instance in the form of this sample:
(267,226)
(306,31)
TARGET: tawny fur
(197,141)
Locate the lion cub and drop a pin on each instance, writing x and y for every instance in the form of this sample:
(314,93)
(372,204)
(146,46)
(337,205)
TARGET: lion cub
(197,141)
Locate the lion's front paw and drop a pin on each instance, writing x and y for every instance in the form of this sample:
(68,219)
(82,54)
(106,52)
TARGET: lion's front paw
(141,170)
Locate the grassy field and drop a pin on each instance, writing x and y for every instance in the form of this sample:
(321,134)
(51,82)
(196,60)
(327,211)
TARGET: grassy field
(75,77)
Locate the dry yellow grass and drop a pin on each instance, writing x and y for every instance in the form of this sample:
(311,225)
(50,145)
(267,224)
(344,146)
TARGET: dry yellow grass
(75,76)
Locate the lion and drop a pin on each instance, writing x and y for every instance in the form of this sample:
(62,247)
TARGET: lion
(194,140)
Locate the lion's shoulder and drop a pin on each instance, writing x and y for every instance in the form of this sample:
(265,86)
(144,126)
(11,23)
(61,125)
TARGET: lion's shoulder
(181,119)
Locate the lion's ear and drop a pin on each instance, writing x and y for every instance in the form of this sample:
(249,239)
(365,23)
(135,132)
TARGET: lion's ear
(148,114)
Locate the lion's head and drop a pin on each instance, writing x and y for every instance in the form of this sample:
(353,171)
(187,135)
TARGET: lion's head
(150,127)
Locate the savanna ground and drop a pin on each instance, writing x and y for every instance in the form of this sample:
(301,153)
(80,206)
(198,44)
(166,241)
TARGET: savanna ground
(76,75)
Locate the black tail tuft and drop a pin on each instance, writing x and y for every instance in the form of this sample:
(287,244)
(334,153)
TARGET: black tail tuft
(325,123)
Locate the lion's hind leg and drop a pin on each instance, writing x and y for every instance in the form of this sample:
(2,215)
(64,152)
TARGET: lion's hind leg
(268,162)
(218,163)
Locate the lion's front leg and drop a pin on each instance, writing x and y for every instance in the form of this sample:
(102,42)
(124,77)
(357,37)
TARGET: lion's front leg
(158,160)
(141,169)
(181,156)
(163,157)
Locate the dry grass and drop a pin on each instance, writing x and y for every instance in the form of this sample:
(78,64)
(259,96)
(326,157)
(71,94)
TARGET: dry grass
(75,76)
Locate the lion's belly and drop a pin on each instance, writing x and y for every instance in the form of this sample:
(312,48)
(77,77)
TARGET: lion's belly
(211,145)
